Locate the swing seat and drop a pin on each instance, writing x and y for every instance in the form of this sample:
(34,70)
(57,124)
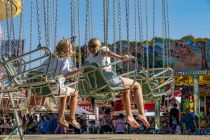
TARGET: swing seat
(151,88)
(94,84)
(30,78)
(83,87)
(40,89)
(97,81)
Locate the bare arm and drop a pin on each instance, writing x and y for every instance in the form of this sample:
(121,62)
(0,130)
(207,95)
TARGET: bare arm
(72,73)
(116,56)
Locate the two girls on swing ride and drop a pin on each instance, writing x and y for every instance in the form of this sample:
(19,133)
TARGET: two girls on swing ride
(101,56)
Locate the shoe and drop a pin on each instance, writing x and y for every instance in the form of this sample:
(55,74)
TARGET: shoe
(76,124)
(64,123)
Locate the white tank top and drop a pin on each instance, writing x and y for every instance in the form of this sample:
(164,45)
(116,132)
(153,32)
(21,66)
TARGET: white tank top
(100,59)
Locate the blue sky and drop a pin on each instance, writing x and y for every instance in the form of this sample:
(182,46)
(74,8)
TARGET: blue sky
(185,17)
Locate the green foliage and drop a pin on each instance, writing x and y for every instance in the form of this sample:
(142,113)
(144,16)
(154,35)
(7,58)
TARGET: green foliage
(189,37)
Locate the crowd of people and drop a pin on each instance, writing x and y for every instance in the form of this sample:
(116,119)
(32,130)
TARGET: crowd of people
(172,122)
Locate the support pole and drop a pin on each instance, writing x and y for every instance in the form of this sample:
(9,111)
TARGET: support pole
(19,126)
(157,115)
(196,97)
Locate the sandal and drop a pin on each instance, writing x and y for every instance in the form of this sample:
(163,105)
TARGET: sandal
(74,123)
(64,123)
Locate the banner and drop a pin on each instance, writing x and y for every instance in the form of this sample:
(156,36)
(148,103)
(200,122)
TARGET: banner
(12,48)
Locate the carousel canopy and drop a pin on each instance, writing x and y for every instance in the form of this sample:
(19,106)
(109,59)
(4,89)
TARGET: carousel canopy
(10,8)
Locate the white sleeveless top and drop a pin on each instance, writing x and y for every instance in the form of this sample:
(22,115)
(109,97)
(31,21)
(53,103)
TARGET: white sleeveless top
(100,59)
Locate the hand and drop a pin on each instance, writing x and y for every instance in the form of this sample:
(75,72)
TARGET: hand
(128,58)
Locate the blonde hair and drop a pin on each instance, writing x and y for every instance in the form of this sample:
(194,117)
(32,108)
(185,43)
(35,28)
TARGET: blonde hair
(94,41)
(64,48)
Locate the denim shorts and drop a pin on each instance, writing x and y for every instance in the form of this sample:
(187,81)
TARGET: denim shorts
(113,79)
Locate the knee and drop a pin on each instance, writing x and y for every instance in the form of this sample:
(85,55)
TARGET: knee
(75,93)
(137,86)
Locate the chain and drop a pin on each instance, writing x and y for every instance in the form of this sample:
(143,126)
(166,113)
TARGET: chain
(104,16)
(163,31)
(74,60)
(87,24)
(114,29)
(135,24)
(7,22)
(12,30)
(114,25)
(38,23)
(168,25)
(56,21)
(8,30)
(153,52)
(31,30)
(72,18)
(127,28)
(21,27)
(120,25)
(78,4)
(91,21)
(147,43)
(48,22)
(107,21)
(140,30)
(45,22)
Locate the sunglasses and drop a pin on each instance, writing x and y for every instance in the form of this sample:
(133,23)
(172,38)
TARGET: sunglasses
(93,46)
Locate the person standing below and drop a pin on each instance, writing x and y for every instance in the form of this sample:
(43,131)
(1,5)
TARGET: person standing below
(174,117)
(188,122)
(106,123)
(120,125)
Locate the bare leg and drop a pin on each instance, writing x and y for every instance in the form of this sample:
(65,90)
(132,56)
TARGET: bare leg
(62,120)
(62,106)
(127,105)
(73,106)
(138,99)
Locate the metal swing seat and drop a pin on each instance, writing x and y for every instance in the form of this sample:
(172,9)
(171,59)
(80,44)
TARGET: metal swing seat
(93,83)
(153,82)
(27,76)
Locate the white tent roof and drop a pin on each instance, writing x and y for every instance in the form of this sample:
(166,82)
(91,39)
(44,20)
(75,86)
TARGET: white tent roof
(82,111)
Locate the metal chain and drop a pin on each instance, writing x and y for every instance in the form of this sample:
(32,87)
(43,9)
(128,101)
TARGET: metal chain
(78,34)
(127,29)
(31,30)
(72,18)
(147,43)
(56,22)
(163,31)
(168,28)
(8,30)
(91,20)
(104,16)
(38,23)
(87,23)
(141,30)
(165,28)
(153,52)
(74,60)
(21,27)
(48,23)
(120,25)
(45,22)
(107,22)
(7,22)
(114,25)
(114,29)
(12,29)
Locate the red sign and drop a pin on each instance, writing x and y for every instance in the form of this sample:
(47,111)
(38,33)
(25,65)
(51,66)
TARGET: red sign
(87,107)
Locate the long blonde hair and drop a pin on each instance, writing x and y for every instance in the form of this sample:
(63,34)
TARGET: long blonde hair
(64,48)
